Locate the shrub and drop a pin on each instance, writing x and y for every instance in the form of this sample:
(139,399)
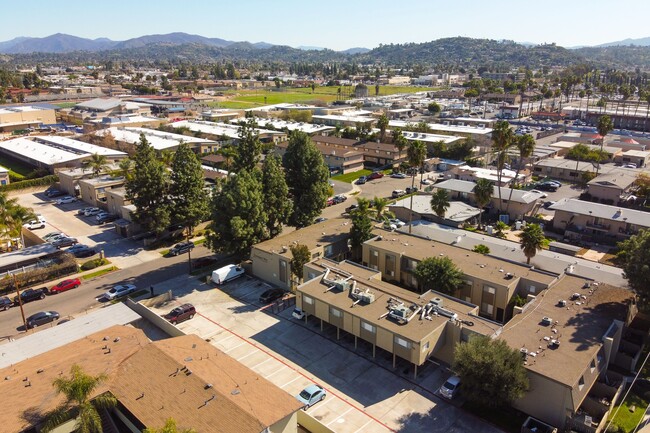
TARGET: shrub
(92,264)
(481,249)
(30,183)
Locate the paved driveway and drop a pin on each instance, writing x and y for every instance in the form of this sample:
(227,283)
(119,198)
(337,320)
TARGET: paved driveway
(364,395)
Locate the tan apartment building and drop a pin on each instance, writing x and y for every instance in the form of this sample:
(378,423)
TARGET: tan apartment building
(341,159)
(489,283)
(356,301)
(637,157)
(271,259)
(373,153)
(594,222)
(18,117)
(94,190)
(611,188)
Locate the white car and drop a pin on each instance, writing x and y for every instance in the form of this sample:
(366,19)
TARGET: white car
(34,224)
(541,194)
(398,176)
(40,218)
(398,222)
(66,200)
(426,182)
(119,291)
(92,211)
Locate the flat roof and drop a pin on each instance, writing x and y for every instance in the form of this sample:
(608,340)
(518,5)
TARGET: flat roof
(159,140)
(580,327)
(598,210)
(456,211)
(445,128)
(430,138)
(22,109)
(465,186)
(218,129)
(344,118)
(51,150)
(18,256)
(308,128)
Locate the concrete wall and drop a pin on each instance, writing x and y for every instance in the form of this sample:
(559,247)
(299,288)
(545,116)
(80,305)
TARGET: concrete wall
(288,424)
(155,319)
(311,424)
(546,400)
(266,266)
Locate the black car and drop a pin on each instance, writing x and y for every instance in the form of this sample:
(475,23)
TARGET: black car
(64,242)
(409,190)
(5,303)
(181,248)
(351,208)
(42,318)
(547,187)
(271,295)
(84,252)
(30,295)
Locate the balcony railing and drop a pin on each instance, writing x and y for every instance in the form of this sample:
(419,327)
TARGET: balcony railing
(600,227)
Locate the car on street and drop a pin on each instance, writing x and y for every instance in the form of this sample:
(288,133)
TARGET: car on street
(398,193)
(64,242)
(84,252)
(92,211)
(271,295)
(320,220)
(398,175)
(5,303)
(181,313)
(351,208)
(330,201)
(42,318)
(181,248)
(34,224)
(311,395)
(548,204)
(66,285)
(375,175)
(449,389)
(118,291)
(362,180)
(542,194)
(389,226)
(106,217)
(66,200)
(546,187)
(410,190)
(631,165)
(30,295)
(76,247)
(426,182)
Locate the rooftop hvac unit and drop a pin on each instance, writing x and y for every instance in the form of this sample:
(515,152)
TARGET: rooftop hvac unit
(445,313)
(399,313)
(362,295)
(342,284)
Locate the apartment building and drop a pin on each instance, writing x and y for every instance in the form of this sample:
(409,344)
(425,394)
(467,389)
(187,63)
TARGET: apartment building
(342,159)
(611,188)
(373,153)
(94,190)
(594,222)
(489,283)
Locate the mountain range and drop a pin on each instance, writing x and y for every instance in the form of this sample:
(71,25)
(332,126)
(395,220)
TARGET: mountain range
(63,43)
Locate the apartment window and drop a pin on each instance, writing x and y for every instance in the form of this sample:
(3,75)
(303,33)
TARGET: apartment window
(335,312)
(581,383)
(315,255)
(310,276)
(487,308)
(402,342)
(490,290)
(283,271)
(307,300)
(368,327)
(425,347)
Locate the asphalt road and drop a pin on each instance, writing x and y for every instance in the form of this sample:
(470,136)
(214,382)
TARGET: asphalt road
(82,299)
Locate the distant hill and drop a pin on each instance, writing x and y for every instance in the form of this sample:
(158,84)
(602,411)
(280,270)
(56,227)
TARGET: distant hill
(309,48)
(58,43)
(356,50)
(173,39)
(641,42)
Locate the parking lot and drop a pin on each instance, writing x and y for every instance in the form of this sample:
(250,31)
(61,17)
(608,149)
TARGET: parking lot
(363,394)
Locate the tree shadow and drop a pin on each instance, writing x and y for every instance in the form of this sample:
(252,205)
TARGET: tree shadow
(590,323)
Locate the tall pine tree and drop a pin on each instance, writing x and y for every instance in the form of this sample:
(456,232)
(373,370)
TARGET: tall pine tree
(249,147)
(307,177)
(148,189)
(277,204)
(189,199)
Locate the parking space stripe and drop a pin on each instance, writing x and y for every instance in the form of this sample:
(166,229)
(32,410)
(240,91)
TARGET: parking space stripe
(246,356)
(257,365)
(221,341)
(234,347)
(275,372)
(291,381)
(363,427)
(338,417)
(283,362)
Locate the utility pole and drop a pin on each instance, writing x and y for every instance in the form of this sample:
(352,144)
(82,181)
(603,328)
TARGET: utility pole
(20,302)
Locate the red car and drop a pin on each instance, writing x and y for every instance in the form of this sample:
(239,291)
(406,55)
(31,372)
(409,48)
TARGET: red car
(66,285)
(330,201)
(375,175)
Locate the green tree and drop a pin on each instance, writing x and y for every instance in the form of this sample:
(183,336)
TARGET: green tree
(307,177)
(605,126)
(277,204)
(439,274)
(189,199)
(228,152)
(249,147)
(78,390)
(125,168)
(634,254)
(166,157)
(361,229)
(12,217)
(440,202)
(482,195)
(434,108)
(96,164)
(399,141)
(169,427)
(532,240)
(500,229)
(382,124)
(493,374)
(380,208)
(416,153)
(502,138)
(238,215)
(148,189)
(300,256)
(481,249)
(525,145)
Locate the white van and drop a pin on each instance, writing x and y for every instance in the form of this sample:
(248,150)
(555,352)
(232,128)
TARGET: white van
(227,273)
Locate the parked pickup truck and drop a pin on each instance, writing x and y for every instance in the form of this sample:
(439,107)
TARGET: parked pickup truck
(30,295)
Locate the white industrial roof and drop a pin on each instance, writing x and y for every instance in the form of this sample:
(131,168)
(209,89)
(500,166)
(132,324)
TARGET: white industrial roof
(216,128)
(20,108)
(457,210)
(54,149)
(444,128)
(308,128)
(343,118)
(430,138)
(57,336)
(159,140)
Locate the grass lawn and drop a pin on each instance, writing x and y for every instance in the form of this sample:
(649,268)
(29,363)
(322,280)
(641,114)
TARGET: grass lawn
(351,177)
(99,273)
(508,419)
(19,168)
(626,419)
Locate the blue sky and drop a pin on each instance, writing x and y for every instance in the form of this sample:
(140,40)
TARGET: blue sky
(336,24)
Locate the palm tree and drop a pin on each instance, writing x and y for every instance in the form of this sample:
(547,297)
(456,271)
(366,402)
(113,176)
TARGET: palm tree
(532,240)
(399,141)
(382,124)
(604,127)
(416,153)
(502,138)
(97,164)
(440,202)
(78,390)
(482,194)
(125,166)
(228,153)
(12,217)
(525,144)
(381,211)
(170,427)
